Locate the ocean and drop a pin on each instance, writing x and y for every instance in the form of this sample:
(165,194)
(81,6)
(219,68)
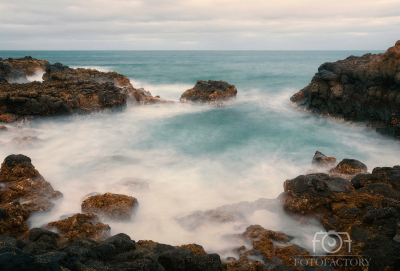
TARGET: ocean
(194,157)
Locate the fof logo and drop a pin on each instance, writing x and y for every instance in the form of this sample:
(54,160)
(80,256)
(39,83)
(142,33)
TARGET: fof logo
(331,241)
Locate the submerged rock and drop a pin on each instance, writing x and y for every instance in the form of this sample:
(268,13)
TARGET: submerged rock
(358,88)
(27,141)
(268,250)
(228,213)
(209,91)
(111,206)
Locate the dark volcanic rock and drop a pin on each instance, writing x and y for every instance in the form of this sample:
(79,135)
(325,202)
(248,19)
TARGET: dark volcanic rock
(368,209)
(59,97)
(66,91)
(22,183)
(320,160)
(110,206)
(350,166)
(81,225)
(267,250)
(308,193)
(209,91)
(26,65)
(10,75)
(363,88)
(182,259)
(59,72)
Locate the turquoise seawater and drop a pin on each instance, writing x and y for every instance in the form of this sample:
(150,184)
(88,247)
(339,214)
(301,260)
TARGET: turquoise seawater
(193,157)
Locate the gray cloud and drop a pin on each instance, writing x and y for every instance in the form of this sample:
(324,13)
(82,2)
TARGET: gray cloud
(199,24)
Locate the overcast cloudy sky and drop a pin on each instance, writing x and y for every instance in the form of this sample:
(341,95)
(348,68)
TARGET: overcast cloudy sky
(199,24)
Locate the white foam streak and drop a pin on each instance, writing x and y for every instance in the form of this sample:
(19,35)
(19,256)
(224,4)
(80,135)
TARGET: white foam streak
(37,76)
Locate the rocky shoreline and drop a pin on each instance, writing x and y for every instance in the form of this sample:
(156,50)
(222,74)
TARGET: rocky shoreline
(346,198)
(363,88)
(66,91)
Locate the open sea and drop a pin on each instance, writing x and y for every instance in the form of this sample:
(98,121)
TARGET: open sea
(194,157)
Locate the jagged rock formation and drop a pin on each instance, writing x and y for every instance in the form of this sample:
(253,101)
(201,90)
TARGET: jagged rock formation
(65,91)
(9,74)
(273,249)
(24,191)
(363,88)
(26,65)
(209,91)
(367,208)
(320,160)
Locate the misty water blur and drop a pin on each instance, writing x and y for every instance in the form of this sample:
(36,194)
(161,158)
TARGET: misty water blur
(195,157)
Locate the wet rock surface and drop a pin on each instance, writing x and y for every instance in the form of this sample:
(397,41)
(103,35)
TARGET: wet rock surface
(9,74)
(359,89)
(350,166)
(24,191)
(45,250)
(110,206)
(64,91)
(209,91)
(267,250)
(81,226)
(367,208)
(321,160)
(27,65)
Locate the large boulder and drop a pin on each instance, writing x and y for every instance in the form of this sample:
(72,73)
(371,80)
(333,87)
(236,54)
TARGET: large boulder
(350,166)
(111,206)
(312,193)
(24,191)
(358,88)
(209,91)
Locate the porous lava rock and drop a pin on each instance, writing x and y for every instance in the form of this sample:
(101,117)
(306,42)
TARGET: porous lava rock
(209,91)
(267,250)
(363,88)
(111,206)
(350,166)
(367,208)
(26,65)
(321,160)
(9,75)
(45,250)
(81,225)
(66,91)
(24,191)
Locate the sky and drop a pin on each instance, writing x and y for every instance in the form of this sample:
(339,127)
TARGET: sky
(199,24)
